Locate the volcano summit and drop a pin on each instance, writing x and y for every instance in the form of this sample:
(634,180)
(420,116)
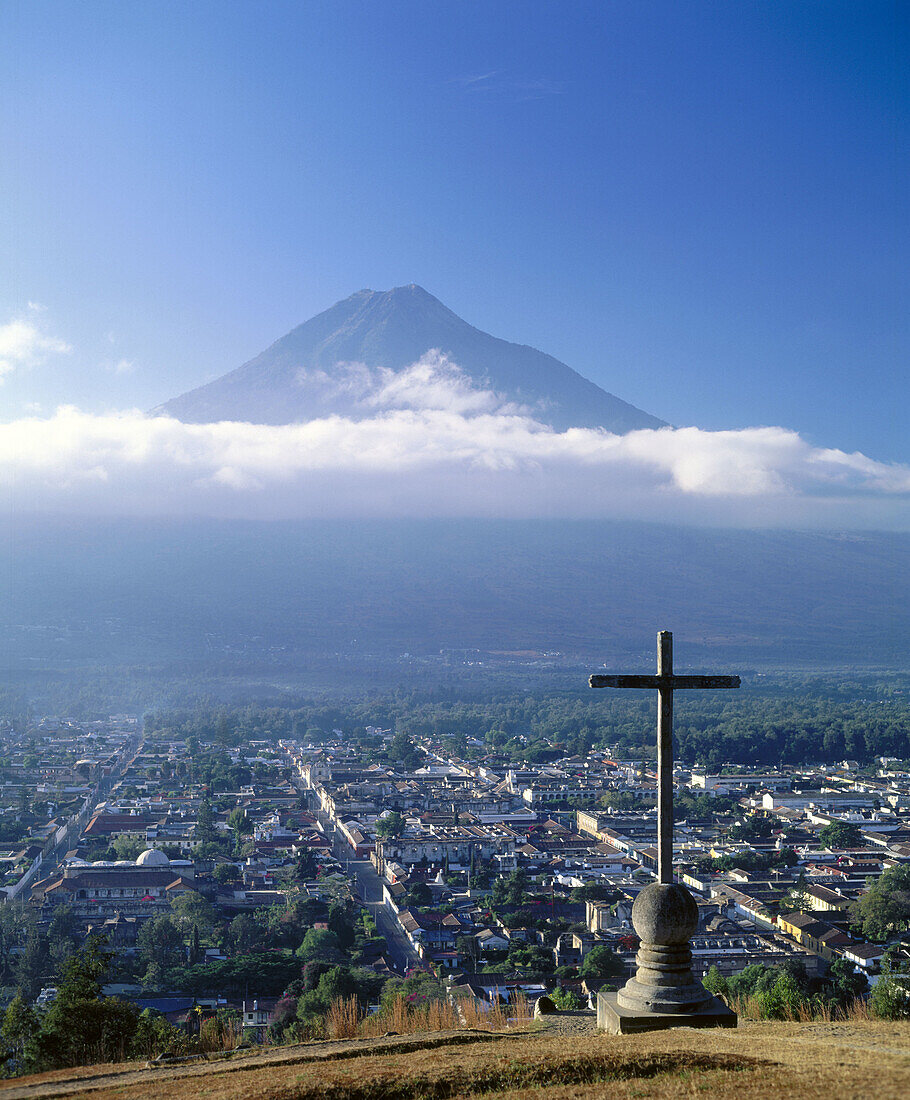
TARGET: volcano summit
(397,349)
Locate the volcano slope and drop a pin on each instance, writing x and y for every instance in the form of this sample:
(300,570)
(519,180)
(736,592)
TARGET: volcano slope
(756,1062)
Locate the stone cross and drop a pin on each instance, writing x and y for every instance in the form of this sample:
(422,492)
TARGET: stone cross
(664,992)
(666,683)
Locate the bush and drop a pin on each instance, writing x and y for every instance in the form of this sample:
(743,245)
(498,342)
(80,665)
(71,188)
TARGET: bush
(890,999)
(565,1000)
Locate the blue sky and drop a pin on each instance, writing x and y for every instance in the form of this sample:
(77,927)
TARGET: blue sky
(700,206)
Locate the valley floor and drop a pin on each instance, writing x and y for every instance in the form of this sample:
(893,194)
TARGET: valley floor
(821,1061)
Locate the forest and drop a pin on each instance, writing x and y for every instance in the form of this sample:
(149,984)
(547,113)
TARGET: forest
(768,722)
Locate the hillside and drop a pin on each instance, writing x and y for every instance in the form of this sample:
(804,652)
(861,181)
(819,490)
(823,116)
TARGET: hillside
(342,362)
(212,590)
(759,1061)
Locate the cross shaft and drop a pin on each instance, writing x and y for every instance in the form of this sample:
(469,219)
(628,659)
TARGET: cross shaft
(665,683)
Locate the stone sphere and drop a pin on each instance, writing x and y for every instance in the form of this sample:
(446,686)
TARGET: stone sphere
(665,913)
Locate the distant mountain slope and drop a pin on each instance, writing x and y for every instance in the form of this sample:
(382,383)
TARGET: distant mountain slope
(338,363)
(157,589)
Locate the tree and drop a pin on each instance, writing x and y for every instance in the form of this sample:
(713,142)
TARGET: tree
(511,891)
(226,872)
(336,983)
(601,962)
(245,933)
(161,941)
(205,824)
(843,984)
(19,1025)
(16,923)
(795,900)
(391,825)
(715,982)
(33,964)
(532,957)
(154,1035)
(239,822)
(890,999)
(191,909)
(565,1000)
(127,847)
(320,944)
(80,1026)
(841,834)
(195,952)
(62,935)
(885,906)
(401,750)
(753,828)
(307,867)
(420,895)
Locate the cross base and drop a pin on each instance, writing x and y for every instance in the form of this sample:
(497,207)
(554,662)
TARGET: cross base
(615,1019)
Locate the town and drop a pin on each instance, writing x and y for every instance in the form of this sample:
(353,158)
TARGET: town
(243,881)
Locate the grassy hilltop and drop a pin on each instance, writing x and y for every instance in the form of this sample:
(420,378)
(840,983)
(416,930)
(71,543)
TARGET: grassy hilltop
(820,1061)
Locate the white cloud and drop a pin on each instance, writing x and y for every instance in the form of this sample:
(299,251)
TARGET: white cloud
(124,366)
(433,382)
(436,461)
(23,344)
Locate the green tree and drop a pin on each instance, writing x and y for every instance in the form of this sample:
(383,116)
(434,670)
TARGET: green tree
(565,1000)
(884,908)
(532,957)
(841,834)
(715,982)
(196,953)
(128,847)
(33,965)
(191,908)
(80,1026)
(782,1000)
(239,822)
(511,891)
(843,984)
(245,933)
(601,962)
(391,825)
(420,895)
(401,751)
(335,983)
(161,941)
(154,1035)
(16,923)
(226,872)
(19,1025)
(206,832)
(320,944)
(62,935)
(890,998)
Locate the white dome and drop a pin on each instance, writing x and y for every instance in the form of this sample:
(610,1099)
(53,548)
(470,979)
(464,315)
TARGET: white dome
(152,857)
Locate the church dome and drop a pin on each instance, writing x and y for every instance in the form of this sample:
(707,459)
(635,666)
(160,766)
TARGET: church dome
(152,857)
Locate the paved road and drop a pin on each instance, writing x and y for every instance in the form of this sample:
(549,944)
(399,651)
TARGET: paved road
(368,886)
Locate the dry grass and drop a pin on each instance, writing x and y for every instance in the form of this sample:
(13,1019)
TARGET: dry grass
(401,1017)
(218,1034)
(804,1012)
(759,1061)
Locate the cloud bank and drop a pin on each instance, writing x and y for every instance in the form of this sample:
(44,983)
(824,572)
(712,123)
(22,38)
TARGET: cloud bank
(431,446)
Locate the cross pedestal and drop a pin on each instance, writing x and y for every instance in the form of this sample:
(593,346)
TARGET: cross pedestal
(664,992)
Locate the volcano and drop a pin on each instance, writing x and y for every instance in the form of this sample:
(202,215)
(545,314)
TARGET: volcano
(402,348)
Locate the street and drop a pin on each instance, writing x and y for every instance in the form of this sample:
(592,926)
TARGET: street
(368,886)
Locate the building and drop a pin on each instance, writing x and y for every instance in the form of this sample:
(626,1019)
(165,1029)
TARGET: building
(101,891)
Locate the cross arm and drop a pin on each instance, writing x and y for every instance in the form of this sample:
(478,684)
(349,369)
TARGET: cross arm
(674,682)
